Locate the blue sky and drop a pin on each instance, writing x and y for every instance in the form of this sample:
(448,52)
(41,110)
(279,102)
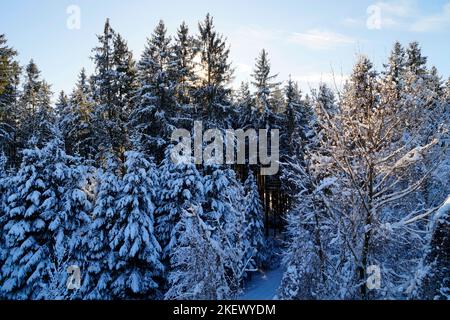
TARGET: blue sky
(307,39)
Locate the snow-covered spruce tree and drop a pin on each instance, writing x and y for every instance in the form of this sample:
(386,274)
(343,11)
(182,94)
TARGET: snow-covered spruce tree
(4,191)
(67,208)
(310,241)
(325,108)
(247,110)
(47,215)
(62,105)
(181,187)
(225,213)
(135,262)
(105,111)
(125,83)
(293,115)
(253,226)
(264,83)
(37,114)
(76,124)
(415,60)
(112,88)
(100,260)
(197,260)
(392,80)
(212,93)
(296,132)
(435,82)
(24,272)
(45,116)
(9,82)
(183,65)
(150,121)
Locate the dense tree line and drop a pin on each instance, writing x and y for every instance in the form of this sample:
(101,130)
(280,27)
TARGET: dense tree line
(89,181)
(369,185)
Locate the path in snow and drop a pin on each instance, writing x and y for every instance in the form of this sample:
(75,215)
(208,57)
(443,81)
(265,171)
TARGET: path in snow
(263,285)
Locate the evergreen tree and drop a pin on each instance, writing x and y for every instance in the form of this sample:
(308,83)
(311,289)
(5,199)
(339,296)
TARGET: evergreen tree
(136,267)
(181,187)
(9,108)
(298,120)
(415,61)
(47,215)
(100,260)
(62,105)
(247,111)
(435,82)
(254,225)
(392,81)
(66,207)
(184,52)
(125,76)
(31,88)
(198,267)
(225,213)
(420,98)
(111,85)
(37,115)
(307,274)
(4,191)
(215,74)
(325,108)
(44,117)
(297,134)
(25,270)
(266,102)
(77,124)
(263,82)
(155,105)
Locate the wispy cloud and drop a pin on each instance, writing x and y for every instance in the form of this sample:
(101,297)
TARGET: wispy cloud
(320,39)
(433,22)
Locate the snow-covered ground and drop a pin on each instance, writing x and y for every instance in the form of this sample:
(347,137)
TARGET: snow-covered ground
(263,285)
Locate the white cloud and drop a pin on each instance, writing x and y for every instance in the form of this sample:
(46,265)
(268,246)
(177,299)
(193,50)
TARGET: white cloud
(433,22)
(320,39)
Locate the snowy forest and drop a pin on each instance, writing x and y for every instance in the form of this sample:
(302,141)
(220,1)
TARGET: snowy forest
(86,177)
